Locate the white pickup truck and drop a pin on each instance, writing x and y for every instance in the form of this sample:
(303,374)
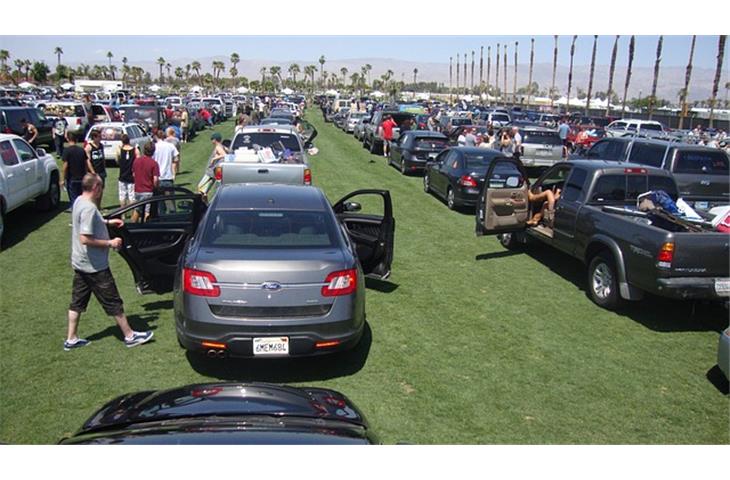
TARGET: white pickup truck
(267,154)
(26,174)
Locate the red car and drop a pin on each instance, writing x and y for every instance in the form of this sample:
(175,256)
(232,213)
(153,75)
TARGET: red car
(581,137)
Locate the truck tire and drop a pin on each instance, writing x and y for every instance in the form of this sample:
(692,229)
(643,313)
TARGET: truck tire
(426,183)
(52,198)
(509,241)
(603,281)
(372,146)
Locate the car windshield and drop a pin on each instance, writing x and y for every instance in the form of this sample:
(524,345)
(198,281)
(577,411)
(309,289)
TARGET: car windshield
(109,133)
(269,229)
(430,142)
(500,117)
(542,138)
(266,139)
(702,162)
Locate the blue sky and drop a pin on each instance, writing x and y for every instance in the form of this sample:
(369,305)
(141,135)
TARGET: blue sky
(92,49)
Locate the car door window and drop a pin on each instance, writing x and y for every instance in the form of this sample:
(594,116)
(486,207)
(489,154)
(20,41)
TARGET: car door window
(7,153)
(599,150)
(25,151)
(615,150)
(172,211)
(574,185)
(647,154)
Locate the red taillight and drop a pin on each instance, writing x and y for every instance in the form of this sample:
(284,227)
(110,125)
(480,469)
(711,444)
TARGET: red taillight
(342,282)
(197,282)
(333,343)
(666,255)
(307,176)
(467,181)
(635,170)
(78,121)
(220,346)
(218,171)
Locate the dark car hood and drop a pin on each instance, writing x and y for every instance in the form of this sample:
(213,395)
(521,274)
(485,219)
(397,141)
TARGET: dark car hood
(224,400)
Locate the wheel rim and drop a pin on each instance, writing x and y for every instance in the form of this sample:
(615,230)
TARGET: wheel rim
(602,281)
(55,194)
(450,198)
(506,238)
(403,167)
(426,187)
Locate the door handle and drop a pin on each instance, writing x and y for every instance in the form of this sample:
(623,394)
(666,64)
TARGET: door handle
(263,170)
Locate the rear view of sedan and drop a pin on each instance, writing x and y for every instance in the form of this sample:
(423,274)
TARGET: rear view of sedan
(416,147)
(269,271)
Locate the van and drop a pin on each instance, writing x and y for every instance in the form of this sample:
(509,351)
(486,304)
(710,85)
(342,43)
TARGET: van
(75,114)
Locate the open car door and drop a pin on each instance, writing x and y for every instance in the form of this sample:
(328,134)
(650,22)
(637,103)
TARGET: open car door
(503,204)
(152,246)
(308,133)
(372,234)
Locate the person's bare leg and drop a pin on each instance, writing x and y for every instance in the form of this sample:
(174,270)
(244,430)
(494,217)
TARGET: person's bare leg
(549,199)
(73,325)
(121,320)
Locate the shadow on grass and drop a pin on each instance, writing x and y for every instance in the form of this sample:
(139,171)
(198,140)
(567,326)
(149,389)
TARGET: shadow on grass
(285,370)
(717,378)
(493,255)
(655,313)
(159,305)
(25,220)
(380,285)
(139,323)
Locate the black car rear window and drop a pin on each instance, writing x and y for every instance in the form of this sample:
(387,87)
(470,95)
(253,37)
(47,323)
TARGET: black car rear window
(612,189)
(269,229)
(702,162)
(647,154)
(542,138)
(478,162)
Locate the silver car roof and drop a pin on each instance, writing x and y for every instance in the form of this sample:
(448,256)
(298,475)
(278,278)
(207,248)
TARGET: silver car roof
(270,197)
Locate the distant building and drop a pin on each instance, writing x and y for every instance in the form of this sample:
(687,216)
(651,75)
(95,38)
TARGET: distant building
(93,85)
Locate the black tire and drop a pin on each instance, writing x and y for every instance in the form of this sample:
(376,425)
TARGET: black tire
(52,198)
(403,170)
(426,183)
(372,146)
(603,281)
(451,199)
(509,241)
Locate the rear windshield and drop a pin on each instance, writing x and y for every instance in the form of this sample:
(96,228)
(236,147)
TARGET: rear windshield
(266,139)
(542,138)
(461,121)
(134,113)
(429,142)
(478,162)
(651,126)
(269,229)
(500,117)
(647,154)
(98,110)
(65,110)
(702,162)
(109,133)
(612,189)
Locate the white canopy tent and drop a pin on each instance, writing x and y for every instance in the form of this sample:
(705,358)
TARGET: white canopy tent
(26,85)
(67,86)
(287,91)
(196,88)
(242,90)
(155,88)
(377,94)
(331,92)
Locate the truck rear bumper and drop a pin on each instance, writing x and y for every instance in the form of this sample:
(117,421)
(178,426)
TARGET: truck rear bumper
(693,287)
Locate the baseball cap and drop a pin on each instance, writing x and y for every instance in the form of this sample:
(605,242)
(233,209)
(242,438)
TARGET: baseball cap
(216,136)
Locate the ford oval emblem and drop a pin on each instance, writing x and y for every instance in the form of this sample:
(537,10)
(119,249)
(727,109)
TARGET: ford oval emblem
(271,286)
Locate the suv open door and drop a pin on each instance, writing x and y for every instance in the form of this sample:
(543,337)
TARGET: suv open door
(373,235)
(503,204)
(153,246)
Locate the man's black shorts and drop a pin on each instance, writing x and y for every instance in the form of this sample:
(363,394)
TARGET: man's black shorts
(104,288)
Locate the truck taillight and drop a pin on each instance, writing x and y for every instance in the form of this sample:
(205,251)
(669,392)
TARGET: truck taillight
(307,176)
(198,282)
(342,282)
(78,121)
(218,172)
(467,181)
(635,170)
(666,255)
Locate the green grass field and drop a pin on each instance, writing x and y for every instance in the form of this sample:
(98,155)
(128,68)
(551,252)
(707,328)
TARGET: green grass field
(467,343)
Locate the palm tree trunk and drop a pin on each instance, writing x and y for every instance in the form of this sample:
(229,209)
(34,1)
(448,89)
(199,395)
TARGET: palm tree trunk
(465,91)
(611,71)
(632,44)
(529,77)
(481,70)
(652,99)
(514,80)
(451,76)
(496,78)
(504,69)
(555,66)
(458,69)
(471,83)
(718,71)
(570,72)
(590,78)
(685,90)
(489,68)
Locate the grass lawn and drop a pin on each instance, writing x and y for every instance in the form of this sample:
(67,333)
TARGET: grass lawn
(467,343)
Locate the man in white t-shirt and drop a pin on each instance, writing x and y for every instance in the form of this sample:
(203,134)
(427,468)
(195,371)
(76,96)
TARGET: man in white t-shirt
(166,155)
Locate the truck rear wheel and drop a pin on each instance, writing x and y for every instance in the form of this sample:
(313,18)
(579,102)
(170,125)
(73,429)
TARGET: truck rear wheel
(52,198)
(509,241)
(603,282)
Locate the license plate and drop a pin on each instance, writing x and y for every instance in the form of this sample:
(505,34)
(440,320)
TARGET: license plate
(722,287)
(702,205)
(271,346)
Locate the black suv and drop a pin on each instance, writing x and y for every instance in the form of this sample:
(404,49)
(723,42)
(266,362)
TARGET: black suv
(10,118)
(701,172)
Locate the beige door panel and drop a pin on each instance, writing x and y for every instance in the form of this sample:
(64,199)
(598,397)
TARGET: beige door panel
(506,208)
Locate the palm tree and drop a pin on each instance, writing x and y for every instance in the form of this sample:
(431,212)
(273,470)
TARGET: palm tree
(471,82)
(4,56)
(368,67)
(113,71)
(161,62)
(590,77)
(514,80)
(415,75)
(168,66)
(451,67)
(632,45)
(262,71)
(343,71)
(58,51)
(235,59)
(489,66)
(685,90)
(464,72)
(109,55)
(233,72)
(555,66)
(570,71)
(293,71)
(125,72)
(458,69)
(196,68)
(529,77)
(276,73)
(309,71)
(504,69)
(609,92)
(718,71)
(179,73)
(481,68)
(652,98)
(496,79)
(27,64)
(322,60)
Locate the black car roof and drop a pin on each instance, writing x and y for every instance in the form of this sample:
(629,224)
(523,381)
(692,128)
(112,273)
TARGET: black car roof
(425,133)
(269,196)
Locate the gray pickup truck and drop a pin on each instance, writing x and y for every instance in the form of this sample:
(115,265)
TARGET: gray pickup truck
(596,221)
(267,154)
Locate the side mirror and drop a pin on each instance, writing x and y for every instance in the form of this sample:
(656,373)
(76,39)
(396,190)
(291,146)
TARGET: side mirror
(352,207)
(40,152)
